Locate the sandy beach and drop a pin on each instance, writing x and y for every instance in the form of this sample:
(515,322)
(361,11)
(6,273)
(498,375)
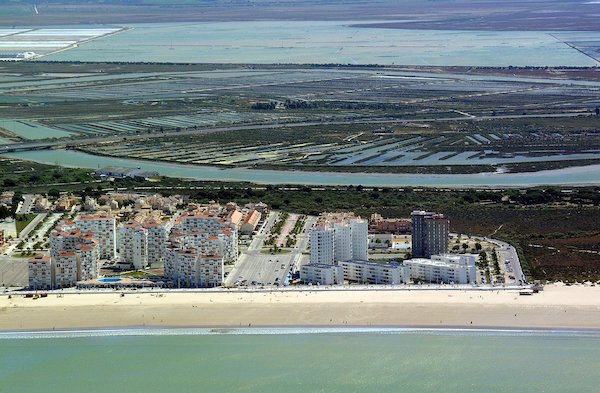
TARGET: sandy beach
(575,307)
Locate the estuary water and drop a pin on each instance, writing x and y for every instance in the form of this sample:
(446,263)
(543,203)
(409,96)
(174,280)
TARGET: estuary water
(296,360)
(74,159)
(306,42)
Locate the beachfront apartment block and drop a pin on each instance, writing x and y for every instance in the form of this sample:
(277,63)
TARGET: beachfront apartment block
(430,233)
(103,226)
(211,225)
(360,239)
(40,272)
(322,274)
(444,268)
(190,268)
(157,237)
(74,256)
(342,240)
(133,244)
(367,272)
(197,248)
(322,246)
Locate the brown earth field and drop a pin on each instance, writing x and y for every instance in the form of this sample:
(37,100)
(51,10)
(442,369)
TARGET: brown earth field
(558,243)
(566,258)
(556,15)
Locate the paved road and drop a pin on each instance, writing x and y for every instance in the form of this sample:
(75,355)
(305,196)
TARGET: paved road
(13,272)
(27,204)
(268,269)
(38,235)
(506,252)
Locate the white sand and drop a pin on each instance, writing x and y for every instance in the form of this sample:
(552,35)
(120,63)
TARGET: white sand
(556,307)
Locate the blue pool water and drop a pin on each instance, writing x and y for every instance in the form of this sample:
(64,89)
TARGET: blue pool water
(109,280)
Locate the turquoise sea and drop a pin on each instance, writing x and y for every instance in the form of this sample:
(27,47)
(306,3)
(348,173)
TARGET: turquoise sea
(295,360)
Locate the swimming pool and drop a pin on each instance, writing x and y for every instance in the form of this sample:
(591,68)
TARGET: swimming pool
(109,280)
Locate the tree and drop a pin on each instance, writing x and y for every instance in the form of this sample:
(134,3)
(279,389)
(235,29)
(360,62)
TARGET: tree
(478,246)
(465,246)
(54,193)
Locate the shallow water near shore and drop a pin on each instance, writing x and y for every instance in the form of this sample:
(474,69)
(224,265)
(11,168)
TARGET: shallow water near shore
(290,360)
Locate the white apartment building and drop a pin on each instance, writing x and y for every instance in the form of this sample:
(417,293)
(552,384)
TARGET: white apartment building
(40,272)
(445,268)
(341,241)
(360,239)
(322,274)
(74,255)
(322,246)
(104,229)
(133,244)
(188,268)
(211,226)
(157,238)
(367,272)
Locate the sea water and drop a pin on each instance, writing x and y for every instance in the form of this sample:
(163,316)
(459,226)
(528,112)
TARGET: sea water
(296,360)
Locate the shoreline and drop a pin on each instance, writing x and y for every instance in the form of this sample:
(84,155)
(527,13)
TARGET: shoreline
(555,308)
(288,330)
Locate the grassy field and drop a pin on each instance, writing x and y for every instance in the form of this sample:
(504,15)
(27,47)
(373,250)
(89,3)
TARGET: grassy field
(23,220)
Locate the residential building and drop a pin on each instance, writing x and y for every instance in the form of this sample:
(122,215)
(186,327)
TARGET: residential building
(189,268)
(197,249)
(211,225)
(157,237)
(122,172)
(75,256)
(103,226)
(40,272)
(235,217)
(41,204)
(322,246)
(341,240)
(360,239)
(367,272)
(396,226)
(447,268)
(250,223)
(133,245)
(343,244)
(429,234)
(322,274)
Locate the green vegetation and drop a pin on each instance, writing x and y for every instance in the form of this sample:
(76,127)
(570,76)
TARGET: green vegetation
(299,225)
(276,250)
(531,219)
(22,220)
(276,230)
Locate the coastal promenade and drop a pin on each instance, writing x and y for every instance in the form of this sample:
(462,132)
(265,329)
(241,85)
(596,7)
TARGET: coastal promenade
(557,307)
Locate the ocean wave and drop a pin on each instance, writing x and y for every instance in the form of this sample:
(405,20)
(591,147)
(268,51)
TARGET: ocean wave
(149,331)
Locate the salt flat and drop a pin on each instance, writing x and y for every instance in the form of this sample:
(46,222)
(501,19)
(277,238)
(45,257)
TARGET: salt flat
(289,42)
